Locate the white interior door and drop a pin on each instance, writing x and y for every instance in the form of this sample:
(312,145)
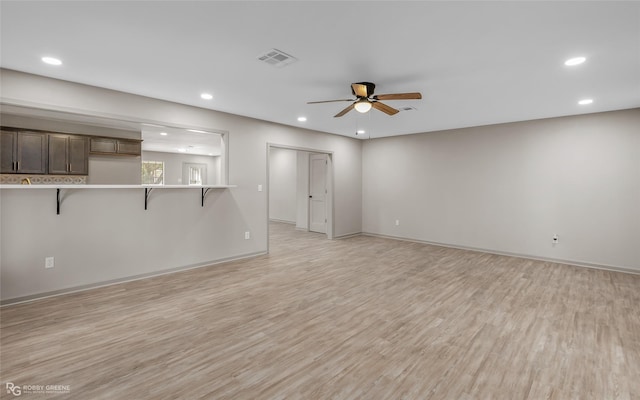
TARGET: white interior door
(318,193)
(194,174)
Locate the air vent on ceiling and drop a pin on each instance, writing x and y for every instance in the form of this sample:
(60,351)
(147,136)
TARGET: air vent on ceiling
(277,58)
(407,109)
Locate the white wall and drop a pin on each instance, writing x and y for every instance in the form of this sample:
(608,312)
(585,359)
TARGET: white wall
(282,184)
(173,166)
(94,224)
(504,188)
(114,170)
(509,188)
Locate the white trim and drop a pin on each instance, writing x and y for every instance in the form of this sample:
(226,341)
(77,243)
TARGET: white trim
(297,148)
(83,288)
(282,221)
(350,235)
(517,255)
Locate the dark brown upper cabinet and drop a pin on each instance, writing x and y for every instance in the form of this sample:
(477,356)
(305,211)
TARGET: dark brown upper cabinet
(115,146)
(23,152)
(68,154)
(129,147)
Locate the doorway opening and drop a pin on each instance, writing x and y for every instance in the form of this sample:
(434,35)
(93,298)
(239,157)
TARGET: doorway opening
(300,188)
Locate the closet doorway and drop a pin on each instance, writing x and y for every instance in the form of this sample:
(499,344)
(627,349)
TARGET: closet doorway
(300,188)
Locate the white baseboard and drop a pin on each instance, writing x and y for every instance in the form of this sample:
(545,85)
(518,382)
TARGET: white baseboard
(82,288)
(39,296)
(350,235)
(282,221)
(509,254)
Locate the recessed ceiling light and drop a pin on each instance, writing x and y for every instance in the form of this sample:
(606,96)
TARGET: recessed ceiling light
(360,132)
(163,133)
(210,154)
(302,119)
(206,96)
(182,150)
(51,61)
(575,61)
(584,102)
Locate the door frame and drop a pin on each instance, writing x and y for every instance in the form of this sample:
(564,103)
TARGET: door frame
(330,186)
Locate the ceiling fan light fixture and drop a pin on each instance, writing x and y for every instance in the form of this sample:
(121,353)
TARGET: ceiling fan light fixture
(362,106)
(365,99)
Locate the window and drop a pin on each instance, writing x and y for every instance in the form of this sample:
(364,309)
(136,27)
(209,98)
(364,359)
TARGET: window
(153,173)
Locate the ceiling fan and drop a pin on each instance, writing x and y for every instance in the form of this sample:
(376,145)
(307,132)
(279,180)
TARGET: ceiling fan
(365,99)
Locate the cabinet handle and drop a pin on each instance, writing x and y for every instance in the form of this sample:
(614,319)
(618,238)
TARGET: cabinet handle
(17,165)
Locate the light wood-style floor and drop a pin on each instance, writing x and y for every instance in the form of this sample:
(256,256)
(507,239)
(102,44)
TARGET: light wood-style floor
(359,318)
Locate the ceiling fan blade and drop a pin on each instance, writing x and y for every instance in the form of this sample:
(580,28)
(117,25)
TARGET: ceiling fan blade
(399,96)
(359,89)
(384,108)
(328,101)
(343,112)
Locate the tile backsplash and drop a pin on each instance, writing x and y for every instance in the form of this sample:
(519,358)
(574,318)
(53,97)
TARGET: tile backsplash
(17,179)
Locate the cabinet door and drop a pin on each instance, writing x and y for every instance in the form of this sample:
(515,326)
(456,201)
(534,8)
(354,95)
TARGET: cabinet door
(78,155)
(31,153)
(58,158)
(129,147)
(7,150)
(103,146)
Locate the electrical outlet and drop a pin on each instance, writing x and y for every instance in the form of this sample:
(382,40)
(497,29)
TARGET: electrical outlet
(555,239)
(247,235)
(49,262)
(259,188)
(397,222)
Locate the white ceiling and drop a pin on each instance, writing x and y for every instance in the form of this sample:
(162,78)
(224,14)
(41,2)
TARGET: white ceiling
(476,63)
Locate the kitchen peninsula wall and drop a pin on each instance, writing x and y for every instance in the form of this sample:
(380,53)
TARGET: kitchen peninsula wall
(105,235)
